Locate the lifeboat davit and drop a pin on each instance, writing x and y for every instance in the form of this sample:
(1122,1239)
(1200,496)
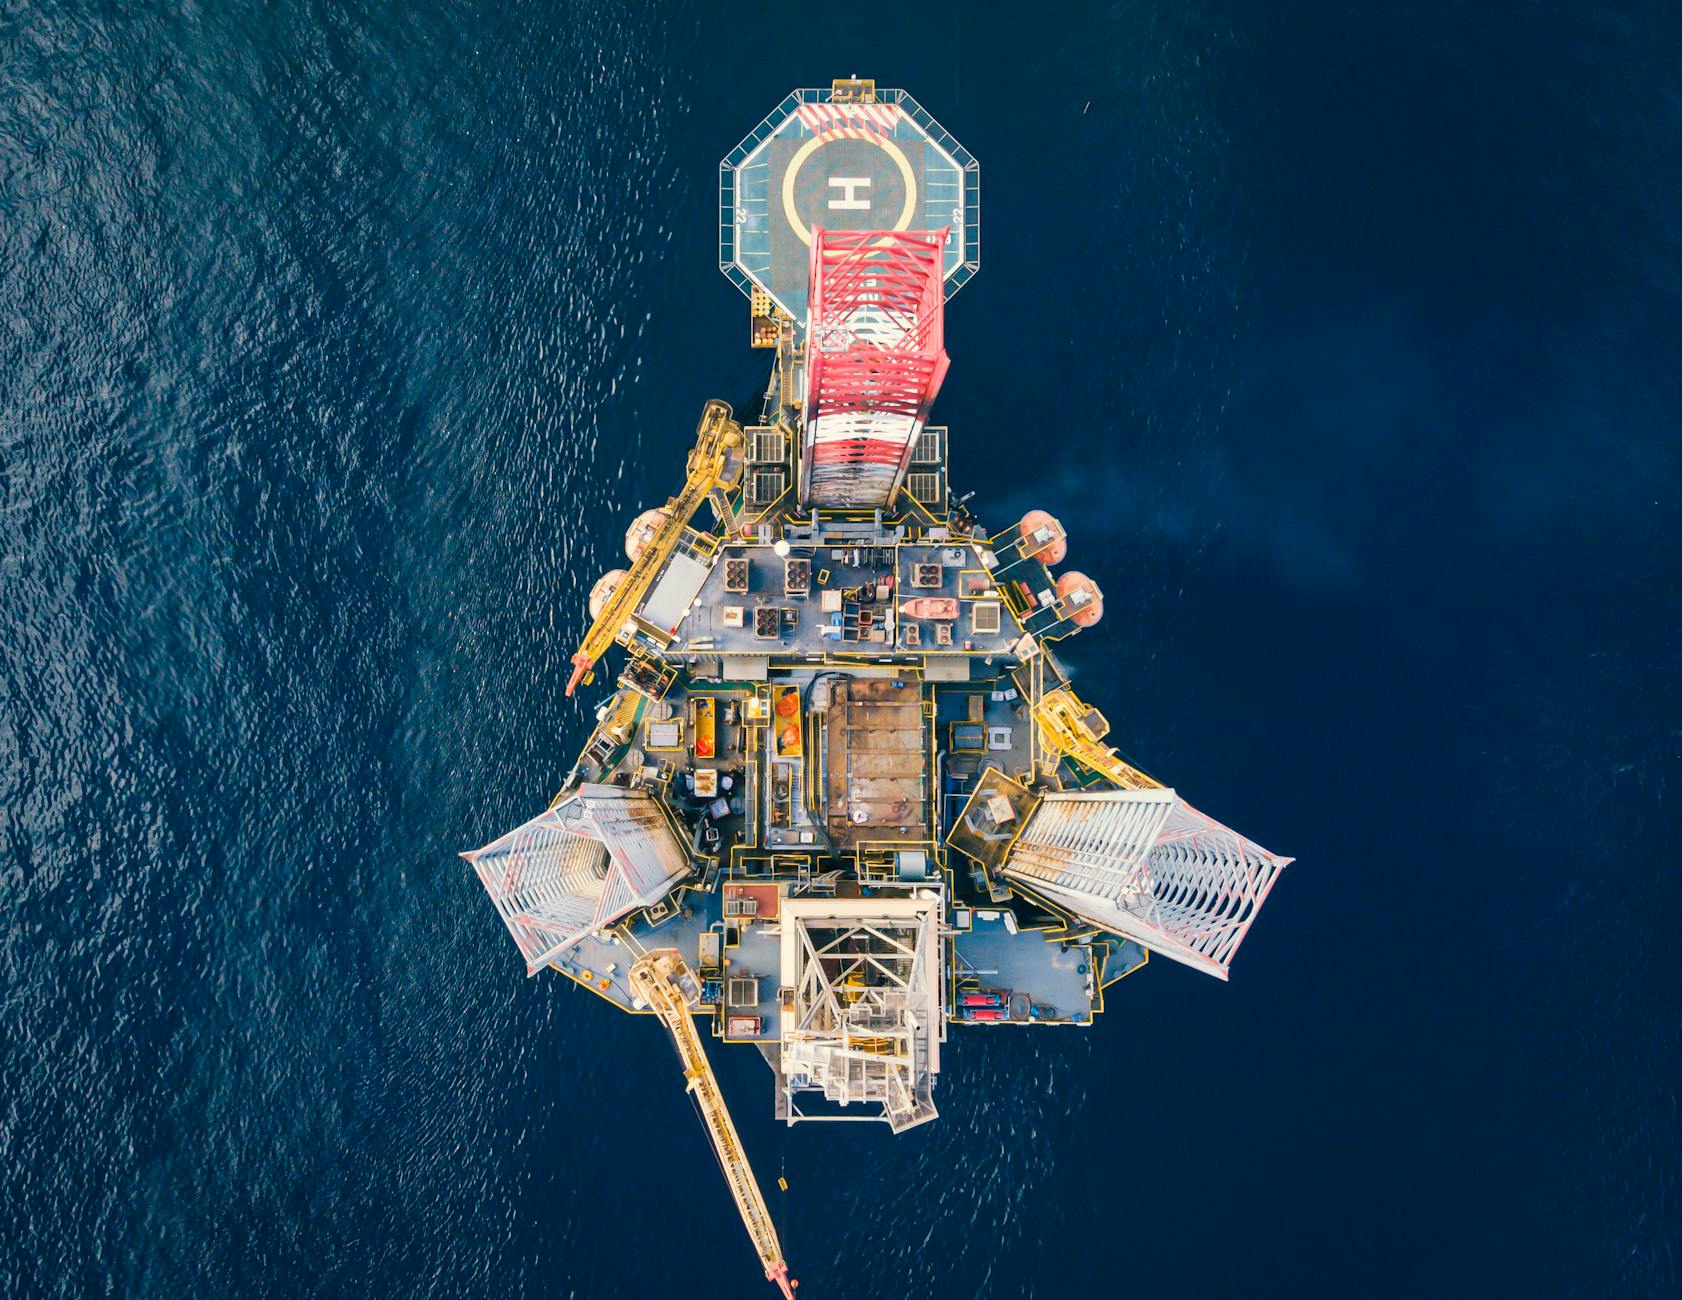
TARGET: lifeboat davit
(642,528)
(603,591)
(1079,599)
(1043,538)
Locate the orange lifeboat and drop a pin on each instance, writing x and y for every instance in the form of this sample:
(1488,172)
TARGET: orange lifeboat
(603,591)
(642,528)
(1079,599)
(1043,538)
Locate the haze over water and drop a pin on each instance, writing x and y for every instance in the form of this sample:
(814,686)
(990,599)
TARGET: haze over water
(338,344)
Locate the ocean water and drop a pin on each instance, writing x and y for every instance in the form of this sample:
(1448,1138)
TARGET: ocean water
(336,345)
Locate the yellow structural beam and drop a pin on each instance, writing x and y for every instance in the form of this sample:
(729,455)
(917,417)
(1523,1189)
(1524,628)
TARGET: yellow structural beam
(1072,728)
(658,979)
(714,463)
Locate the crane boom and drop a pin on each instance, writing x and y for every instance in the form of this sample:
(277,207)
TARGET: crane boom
(1068,726)
(714,463)
(658,979)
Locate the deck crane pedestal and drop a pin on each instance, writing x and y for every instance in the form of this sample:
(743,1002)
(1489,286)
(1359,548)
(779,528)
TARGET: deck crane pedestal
(664,981)
(714,466)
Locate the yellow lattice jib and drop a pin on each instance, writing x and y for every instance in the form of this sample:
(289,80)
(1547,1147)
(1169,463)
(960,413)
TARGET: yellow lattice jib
(1069,727)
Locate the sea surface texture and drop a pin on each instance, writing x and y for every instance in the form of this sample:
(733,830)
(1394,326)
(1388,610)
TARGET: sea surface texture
(339,343)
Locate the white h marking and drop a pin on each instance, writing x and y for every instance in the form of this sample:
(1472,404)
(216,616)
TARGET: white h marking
(852,184)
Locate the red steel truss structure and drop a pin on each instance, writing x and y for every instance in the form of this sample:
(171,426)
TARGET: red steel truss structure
(876,358)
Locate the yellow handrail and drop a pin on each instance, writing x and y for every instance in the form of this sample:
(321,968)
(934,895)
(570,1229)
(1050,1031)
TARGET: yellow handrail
(1067,726)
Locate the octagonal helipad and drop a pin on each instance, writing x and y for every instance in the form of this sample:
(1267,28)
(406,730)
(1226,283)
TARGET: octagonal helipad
(846,158)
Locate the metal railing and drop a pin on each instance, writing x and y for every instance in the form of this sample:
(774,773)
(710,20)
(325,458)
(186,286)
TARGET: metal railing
(968,232)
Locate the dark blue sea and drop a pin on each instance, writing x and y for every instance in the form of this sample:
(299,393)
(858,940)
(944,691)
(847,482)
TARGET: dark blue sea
(338,342)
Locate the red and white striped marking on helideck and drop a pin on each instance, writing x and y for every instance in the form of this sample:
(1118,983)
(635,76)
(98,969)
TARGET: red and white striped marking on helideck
(848,121)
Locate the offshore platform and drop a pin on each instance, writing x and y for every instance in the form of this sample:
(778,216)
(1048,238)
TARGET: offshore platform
(843,796)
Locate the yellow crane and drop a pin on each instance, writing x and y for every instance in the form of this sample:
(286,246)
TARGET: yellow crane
(1068,726)
(659,978)
(714,465)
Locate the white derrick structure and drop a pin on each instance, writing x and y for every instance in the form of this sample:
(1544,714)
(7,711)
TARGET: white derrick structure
(600,853)
(866,1023)
(1146,865)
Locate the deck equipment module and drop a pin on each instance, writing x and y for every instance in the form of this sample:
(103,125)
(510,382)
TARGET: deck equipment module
(843,796)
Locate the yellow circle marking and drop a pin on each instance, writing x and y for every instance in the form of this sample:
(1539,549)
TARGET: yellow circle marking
(817,142)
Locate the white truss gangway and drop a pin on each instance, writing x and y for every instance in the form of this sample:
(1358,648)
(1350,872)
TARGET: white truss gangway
(1146,865)
(600,852)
